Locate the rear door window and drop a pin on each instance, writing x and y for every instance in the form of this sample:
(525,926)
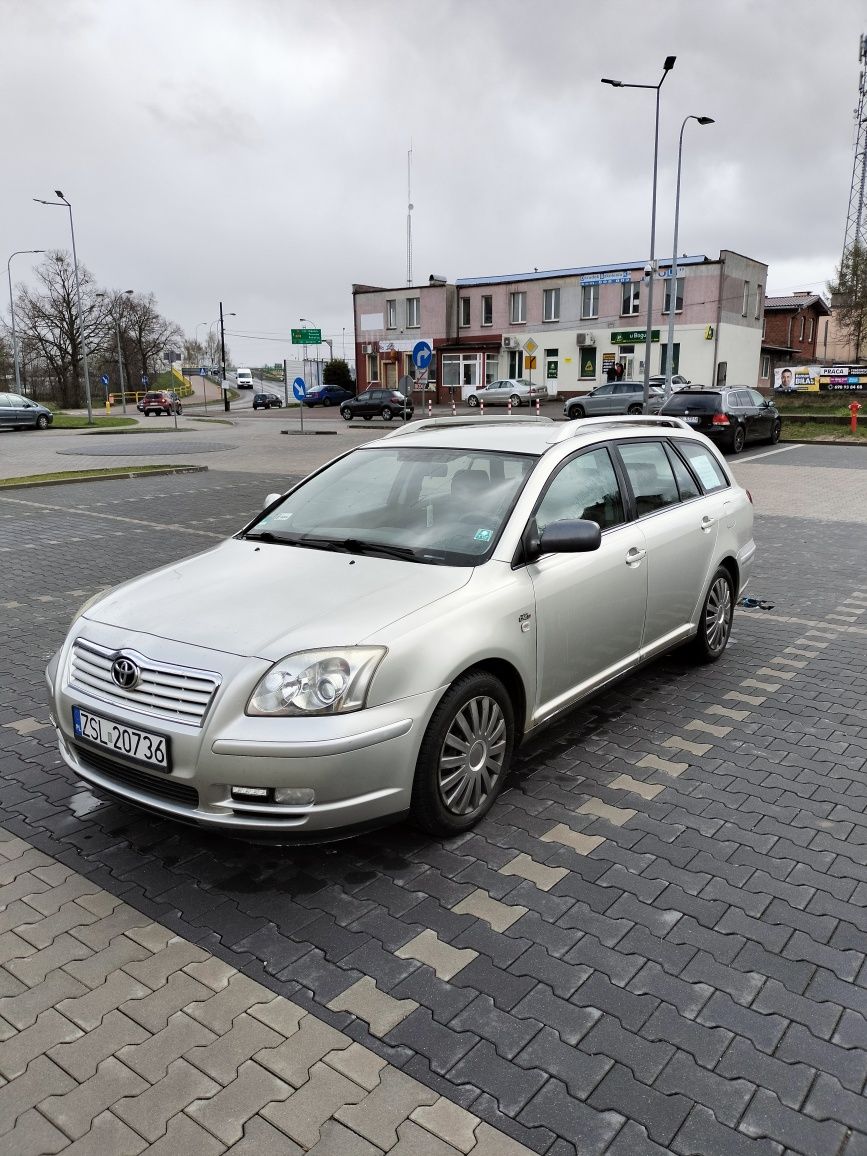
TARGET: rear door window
(650,476)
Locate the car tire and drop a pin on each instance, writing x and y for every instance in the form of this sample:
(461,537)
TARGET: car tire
(738,440)
(449,793)
(180,410)
(776,431)
(387,415)
(516,401)
(715,620)
(575,412)
(42,422)
(473,401)
(326,402)
(346,414)
(635,409)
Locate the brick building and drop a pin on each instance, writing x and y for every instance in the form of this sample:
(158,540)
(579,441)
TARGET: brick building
(793,333)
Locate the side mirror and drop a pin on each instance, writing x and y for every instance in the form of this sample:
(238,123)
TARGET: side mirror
(572,536)
(269,499)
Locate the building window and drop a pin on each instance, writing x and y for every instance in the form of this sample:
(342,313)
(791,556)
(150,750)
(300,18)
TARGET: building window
(517,308)
(465,311)
(631,298)
(766,367)
(764,326)
(461,370)
(758,300)
(412,311)
(391,315)
(746,304)
(372,367)
(551,305)
(678,296)
(588,361)
(487,310)
(810,330)
(516,363)
(492,367)
(589,300)
(675,358)
(803,325)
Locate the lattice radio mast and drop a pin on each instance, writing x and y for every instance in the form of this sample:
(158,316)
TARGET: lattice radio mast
(856,224)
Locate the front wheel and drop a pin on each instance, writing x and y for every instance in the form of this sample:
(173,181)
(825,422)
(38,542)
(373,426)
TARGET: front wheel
(386,413)
(473,401)
(42,422)
(738,441)
(776,431)
(516,401)
(346,414)
(715,622)
(464,756)
(575,412)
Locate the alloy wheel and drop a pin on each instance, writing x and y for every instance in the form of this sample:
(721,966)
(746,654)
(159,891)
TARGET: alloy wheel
(472,756)
(718,614)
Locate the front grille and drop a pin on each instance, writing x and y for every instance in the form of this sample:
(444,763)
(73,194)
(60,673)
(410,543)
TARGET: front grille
(159,784)
(176,693)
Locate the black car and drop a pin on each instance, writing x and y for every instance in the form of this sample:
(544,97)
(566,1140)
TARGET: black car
(384,403)
(326,395)
(266,401)
(731,415)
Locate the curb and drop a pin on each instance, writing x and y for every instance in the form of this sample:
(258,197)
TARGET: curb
(314,432)
(821,442)
(104,478)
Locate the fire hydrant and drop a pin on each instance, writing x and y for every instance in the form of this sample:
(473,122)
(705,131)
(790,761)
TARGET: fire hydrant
(853,410)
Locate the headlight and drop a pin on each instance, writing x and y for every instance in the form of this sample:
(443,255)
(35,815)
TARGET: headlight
(317,682)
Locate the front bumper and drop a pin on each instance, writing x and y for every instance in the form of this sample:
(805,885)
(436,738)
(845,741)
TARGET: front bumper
(358,767)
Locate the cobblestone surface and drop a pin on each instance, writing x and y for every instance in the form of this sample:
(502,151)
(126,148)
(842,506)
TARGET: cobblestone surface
(656,941)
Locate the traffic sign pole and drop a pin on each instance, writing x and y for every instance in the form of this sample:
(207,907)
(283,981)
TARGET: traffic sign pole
(299,389)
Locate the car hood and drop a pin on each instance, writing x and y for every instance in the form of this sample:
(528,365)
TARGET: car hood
(264,600)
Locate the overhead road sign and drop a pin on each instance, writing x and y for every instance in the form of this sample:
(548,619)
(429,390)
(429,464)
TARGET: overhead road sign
(306,336)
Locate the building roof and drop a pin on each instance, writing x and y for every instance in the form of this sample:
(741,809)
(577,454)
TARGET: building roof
(797,301)
(578,271)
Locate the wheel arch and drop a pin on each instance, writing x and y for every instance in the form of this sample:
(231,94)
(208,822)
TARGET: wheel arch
(510,677)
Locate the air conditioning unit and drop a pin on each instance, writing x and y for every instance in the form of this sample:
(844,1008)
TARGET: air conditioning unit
(370,349)
(511,343)
(585,339)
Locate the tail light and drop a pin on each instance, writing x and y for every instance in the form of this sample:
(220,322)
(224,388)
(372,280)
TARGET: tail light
(720,419)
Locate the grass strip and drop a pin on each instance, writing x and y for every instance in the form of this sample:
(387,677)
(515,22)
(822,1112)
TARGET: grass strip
(70,475)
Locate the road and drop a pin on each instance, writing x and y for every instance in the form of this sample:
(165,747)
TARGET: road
(657,940)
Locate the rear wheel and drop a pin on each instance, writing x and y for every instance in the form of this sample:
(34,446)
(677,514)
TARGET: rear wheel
(180,410)
(473,401)
(776,430)
(464,756)
(739,438)
(326,401)
(715,622)
(346,414)
(42,422)
(386,413)
(575,412)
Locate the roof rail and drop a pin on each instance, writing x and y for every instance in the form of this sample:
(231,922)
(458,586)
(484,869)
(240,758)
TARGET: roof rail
(573,428)
(411,427)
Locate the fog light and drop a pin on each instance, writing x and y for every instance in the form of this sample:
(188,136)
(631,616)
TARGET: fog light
(294,796)
(250,792)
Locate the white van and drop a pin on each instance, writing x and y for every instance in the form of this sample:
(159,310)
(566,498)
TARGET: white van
(244,379)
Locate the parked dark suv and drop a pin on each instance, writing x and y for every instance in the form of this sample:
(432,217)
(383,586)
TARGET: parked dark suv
(384,403)
(731,415)
(159,401)
(266,401)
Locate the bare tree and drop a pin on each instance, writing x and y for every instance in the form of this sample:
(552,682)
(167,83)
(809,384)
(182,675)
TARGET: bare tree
(49,324)
(150,333)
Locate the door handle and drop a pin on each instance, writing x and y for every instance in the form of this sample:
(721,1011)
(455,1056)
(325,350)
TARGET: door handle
(707,522)
(634,556)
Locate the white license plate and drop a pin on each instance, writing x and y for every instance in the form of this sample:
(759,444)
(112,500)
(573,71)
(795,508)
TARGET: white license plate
(143,746)
(692,420)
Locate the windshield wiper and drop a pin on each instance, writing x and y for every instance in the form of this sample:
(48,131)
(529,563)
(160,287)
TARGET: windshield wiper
(338,545)
(359,546)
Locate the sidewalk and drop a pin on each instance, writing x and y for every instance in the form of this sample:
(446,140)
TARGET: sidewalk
(117,1036)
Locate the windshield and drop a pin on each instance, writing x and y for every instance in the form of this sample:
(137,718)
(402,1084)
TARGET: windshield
(432,505)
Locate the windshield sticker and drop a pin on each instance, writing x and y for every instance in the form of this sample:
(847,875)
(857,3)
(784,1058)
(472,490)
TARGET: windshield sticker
(483,535)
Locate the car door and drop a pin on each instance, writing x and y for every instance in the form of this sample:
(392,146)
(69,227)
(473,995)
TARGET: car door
(21,411)
(5,411)
(364,403)
(599,401)
(589,607)
(680,525)
(762,416)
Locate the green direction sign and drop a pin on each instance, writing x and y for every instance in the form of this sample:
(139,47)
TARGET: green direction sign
(632,336)
(306,336)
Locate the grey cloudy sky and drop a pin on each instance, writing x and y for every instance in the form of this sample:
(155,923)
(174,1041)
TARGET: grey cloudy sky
(254,151)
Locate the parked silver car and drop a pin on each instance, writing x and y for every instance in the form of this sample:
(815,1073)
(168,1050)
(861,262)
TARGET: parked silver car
(517,390)
(614,397)
(494,572)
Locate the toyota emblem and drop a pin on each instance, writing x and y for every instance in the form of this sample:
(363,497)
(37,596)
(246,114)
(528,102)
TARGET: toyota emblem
(125,673)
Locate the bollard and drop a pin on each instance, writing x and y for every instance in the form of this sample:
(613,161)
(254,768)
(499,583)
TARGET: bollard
(509,406)
(482,407)
(853,410)
(454,410)
(538,410)
(430,407)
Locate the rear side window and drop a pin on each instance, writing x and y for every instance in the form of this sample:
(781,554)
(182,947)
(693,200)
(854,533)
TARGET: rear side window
(693,402)
(650,476)
(704,465)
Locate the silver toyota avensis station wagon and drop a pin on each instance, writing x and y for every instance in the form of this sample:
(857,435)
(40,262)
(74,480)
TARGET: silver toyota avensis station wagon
(421,605)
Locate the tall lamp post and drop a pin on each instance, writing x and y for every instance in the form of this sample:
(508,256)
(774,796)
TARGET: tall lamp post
(61,200)
(666,68)
(223,358)
(17,253)
(115,319)
(672,295)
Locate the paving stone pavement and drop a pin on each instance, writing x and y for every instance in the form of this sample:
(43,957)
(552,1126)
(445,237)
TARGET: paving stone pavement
(656,942)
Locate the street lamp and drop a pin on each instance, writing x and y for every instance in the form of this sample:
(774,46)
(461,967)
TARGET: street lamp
(17,253)
(223,358)
(199,325)
(61,200)
(666,68)
(672,294)
(126,293)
